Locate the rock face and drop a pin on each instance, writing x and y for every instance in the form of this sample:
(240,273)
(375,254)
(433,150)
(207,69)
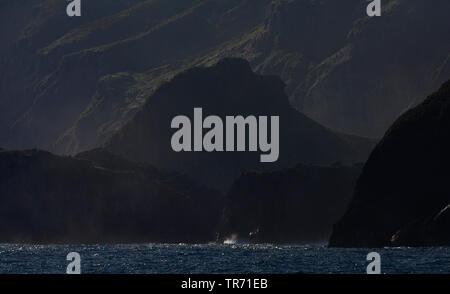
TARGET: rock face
(97,197)
(298,204)
(229,88)
(401,197)
(432,231)
(67,84)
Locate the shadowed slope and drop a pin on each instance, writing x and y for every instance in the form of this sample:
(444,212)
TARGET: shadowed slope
(229,88)
(403,188)
(99,198)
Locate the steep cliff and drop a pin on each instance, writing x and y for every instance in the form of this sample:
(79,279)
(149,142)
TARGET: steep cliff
(401,197)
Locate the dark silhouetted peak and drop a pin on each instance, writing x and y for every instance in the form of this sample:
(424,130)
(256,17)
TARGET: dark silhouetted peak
(404,181)
(229,88)
(234,66)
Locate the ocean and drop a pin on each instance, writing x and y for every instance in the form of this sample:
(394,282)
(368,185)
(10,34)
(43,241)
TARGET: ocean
(219,259)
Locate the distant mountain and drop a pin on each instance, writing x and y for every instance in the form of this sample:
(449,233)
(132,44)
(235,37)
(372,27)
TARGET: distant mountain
(293,205)
(67,84)
(229,88)
(401,197)
(97,197)
(70,83)
(357,74)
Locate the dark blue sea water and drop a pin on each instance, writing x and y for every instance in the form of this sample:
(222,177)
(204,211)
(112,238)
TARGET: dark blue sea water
(222,259)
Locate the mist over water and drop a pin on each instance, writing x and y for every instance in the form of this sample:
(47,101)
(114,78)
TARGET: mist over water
(219,259)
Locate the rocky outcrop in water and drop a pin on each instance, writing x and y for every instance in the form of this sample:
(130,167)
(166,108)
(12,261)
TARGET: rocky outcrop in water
(401,198)
(295,205)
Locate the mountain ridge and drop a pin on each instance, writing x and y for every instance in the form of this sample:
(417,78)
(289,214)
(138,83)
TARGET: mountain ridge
(53,70)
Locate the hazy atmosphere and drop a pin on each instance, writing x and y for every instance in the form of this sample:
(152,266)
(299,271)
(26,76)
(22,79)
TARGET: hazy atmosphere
(281,122)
